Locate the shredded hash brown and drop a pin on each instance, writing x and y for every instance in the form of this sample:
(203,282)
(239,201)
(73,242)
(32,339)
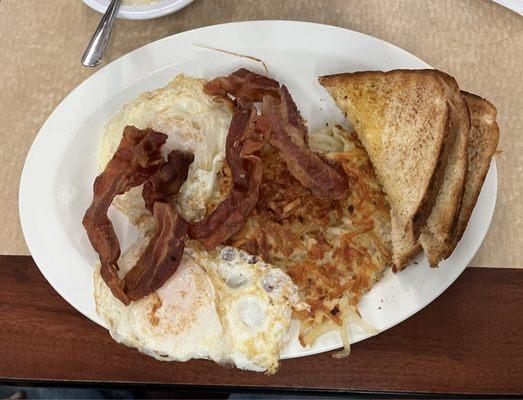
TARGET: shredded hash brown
(334,250)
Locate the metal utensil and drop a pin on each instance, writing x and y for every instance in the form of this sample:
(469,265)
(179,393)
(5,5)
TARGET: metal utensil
(96,48)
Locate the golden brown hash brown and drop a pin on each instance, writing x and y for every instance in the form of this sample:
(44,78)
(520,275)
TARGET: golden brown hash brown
(334,250)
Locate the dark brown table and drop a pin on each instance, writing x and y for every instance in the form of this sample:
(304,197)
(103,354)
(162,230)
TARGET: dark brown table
(468,341)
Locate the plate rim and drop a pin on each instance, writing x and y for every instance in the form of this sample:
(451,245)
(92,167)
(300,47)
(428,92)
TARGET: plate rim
(108,67)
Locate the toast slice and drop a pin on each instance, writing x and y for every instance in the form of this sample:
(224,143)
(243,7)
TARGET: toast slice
(484,137)
(403,118)
(437,236)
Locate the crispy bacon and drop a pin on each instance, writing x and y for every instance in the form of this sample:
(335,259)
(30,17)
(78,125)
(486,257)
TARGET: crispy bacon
(243,84)
(137,160)
(288,132)
(166,182)
(162,255)
(289,136)
(244,139)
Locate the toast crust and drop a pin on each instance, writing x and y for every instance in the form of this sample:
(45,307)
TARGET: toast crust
(431,194)
(484,139)
(438,235)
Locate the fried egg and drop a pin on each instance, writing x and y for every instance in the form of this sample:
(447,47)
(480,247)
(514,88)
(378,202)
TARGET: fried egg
(194,122)
(225,305)
(254,300)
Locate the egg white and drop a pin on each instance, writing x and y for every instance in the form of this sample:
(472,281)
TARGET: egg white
(194,122)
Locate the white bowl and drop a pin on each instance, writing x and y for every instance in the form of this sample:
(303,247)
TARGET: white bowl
(154,10)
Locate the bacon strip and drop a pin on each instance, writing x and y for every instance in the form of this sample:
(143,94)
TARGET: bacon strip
(137,160)
(288,132)
(243,84)
(289,136)
(244,138)
(162,255)
(168,180)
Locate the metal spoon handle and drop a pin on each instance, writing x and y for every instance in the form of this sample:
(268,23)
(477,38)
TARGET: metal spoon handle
(96,48)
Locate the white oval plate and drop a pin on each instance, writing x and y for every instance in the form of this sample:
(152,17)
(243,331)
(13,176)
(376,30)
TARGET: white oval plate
(143,11)
(56,185)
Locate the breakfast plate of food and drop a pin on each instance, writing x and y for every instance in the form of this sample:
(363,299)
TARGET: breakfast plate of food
(260,190)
